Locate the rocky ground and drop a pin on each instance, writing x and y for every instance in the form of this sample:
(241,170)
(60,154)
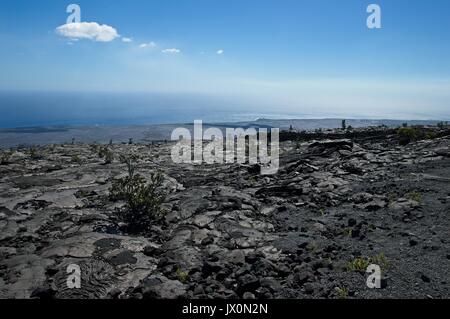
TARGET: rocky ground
(310,231)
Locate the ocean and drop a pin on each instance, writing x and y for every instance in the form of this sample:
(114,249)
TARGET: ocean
(32,109)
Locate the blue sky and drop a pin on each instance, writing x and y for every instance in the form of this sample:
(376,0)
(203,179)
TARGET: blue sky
(291,55)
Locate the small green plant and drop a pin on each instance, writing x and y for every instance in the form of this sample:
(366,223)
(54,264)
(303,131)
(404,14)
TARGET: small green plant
(76,159)
(431,135)
(5,158)
(144,198)
(106,154)
(109,157)
(348,232)
(361,264)
(342,292)
(408,135)
(34,154)
(381,261)
(358,264)
(182,276)
(415,196)
(95,148)
(297,144)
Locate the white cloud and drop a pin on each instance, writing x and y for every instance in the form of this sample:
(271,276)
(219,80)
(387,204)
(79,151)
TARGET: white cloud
(127,40)
(171,51)
(220,52)
(150,45)
(88,30)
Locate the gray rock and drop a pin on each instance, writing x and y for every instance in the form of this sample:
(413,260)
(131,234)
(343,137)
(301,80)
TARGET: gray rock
(160,287)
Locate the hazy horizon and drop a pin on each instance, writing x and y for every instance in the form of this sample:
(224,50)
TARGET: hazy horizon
(29,109)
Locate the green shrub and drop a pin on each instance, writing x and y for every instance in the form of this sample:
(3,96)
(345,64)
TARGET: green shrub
(415,196)
(35,154)
(182,276)
(407,135)
(76,159)
(5,158)
(358,264)
(431,135)
(342,293)
(361,264)
(143,198)
(106,154)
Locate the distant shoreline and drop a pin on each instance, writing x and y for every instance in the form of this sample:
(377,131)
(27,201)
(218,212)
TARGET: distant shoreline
(65,127)
(45,135)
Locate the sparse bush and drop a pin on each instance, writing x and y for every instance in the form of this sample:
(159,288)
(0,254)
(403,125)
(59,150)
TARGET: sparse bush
(106,154)
(407,135)
(415,196)
(143,198)
(431,135)
(348,232)
(34,154)
(76,159)
(297,144)
(95,148)
(361,264)
(109,157)
(5,158)
(342,293)
(381,261)
(182,276)
(358,264)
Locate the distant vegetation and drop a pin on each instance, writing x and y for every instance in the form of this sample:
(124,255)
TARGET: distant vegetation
(107,154)
(407,135)
(35,154)
(5,158)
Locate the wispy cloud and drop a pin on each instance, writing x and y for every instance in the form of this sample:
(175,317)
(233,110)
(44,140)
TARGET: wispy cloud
(171,51)
(127,40)
(220,52)
(88,30)
(150,45)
